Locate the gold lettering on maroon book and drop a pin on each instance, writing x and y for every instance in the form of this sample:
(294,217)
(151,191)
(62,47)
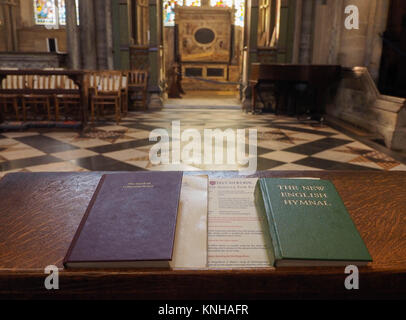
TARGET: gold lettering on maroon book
(138,185)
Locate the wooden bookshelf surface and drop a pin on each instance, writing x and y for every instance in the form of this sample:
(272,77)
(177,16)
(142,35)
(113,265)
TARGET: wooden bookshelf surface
(41,211)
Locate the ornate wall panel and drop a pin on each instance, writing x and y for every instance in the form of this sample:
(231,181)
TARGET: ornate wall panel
(204,34)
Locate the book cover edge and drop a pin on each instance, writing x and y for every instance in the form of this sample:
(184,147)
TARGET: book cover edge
(271,229)
(177,213)
(83,221)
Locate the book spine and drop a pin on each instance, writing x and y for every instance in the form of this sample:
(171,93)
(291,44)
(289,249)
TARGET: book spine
(83,221)
(263,204)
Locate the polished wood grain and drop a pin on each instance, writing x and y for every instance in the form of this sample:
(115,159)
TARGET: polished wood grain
(41,211)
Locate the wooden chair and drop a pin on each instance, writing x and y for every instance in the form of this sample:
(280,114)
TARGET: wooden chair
(9,100)
(138,86)
(34,101)
(69,104)
(11,82)
(124,92)
(107,93)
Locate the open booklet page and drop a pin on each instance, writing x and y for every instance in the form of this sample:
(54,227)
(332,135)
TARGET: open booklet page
(236,238)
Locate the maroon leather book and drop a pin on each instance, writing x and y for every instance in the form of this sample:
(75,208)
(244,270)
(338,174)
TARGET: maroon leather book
(130,222)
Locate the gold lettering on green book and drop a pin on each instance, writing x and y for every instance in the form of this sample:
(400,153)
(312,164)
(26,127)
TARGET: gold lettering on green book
(295,196)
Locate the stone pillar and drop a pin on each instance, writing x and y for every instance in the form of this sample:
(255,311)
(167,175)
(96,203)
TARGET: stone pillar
(377,26)
(352,46)
(154,55)
(306,37)
(10,25)
(297,32)
(327,26)
(363,46)
(87,34)
(100,28)
(250,49)
(73,35)
(109,34)
(13,19)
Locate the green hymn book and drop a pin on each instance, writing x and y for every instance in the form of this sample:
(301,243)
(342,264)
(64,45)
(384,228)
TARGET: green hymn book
(308,223)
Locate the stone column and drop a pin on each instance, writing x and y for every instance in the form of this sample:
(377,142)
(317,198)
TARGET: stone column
(100,28)
(10,25)
(363,46)
(73,35)
(328,22)
(154,55)
(87,34)
(250,49)
(306,37)
(377,25)
(4,13)
(13,18)
(297,32)
(109,34)
(352,46)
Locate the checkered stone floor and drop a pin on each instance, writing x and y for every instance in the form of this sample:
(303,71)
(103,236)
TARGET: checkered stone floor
(283,144)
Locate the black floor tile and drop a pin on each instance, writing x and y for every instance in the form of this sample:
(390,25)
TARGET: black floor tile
(46,144)
(267,164)
(100,163)
(260,150)
(299,129)
(121,146)
(27,162)
(330,143)
(317,146)
(141,126)
(329,164)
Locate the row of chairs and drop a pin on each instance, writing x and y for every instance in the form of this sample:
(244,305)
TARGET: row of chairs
(36,103)
(106,89)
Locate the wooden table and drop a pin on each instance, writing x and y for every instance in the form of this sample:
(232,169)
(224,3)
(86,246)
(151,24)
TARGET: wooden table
(41,211)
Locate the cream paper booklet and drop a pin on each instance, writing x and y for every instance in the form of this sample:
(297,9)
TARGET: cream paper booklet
(190,247)
(236,238)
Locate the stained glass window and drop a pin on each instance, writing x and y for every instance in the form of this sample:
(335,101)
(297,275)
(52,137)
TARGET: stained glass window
(239,12)
(62,12)
(221,3)
(238,6)
(169,11)
(52,12)
(44,12)
(193,3)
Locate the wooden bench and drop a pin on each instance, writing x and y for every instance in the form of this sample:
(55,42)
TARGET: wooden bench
(39,221)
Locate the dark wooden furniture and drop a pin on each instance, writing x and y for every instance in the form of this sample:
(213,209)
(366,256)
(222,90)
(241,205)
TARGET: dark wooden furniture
(68,104)
(78,77)
(39,220)
(9,100)
(317,78)
(137,86)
